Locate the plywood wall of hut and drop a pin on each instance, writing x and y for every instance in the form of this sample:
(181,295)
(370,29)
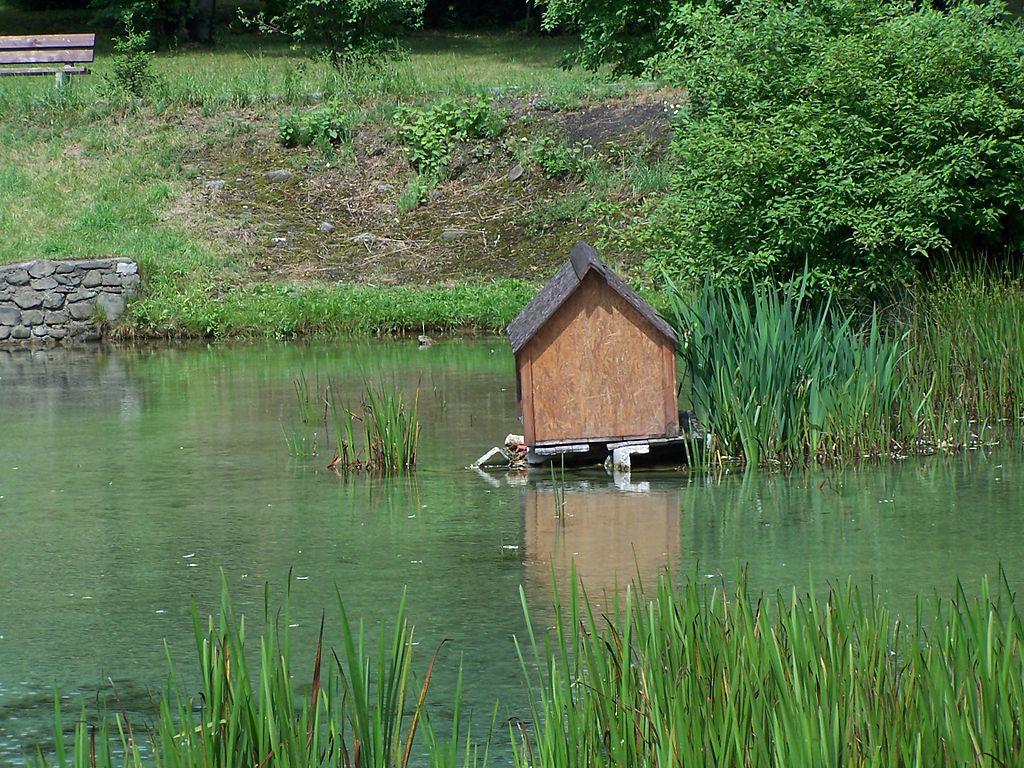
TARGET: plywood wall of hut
(598,370)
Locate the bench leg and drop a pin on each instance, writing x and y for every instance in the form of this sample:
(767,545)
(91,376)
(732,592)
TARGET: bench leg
(62,78)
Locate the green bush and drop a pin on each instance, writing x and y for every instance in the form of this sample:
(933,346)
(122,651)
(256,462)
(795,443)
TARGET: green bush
(623,33)
(168,21)
(329,125)
(858,138)
(429,134)
(342,30)
(131,73)
(559,160)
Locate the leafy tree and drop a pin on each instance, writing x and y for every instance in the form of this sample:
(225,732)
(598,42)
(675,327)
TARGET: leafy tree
(182,21)
(131,72)
(861,138)
(341,29)
(623,33)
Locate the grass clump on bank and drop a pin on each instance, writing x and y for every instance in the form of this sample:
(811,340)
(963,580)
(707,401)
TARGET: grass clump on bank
(184,308)
(684,675)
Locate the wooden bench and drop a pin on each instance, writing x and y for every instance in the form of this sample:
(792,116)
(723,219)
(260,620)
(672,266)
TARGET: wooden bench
(60,55)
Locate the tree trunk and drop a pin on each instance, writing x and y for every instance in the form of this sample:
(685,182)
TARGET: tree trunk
(201,26)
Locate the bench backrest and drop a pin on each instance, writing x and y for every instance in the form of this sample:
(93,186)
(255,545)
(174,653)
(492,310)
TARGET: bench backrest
(57,51)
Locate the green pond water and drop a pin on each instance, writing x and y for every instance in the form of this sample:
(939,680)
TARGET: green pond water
(130,478)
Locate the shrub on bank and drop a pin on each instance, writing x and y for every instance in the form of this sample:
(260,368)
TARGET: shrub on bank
(329,125)
(858,138)
(428,134)
(341,30)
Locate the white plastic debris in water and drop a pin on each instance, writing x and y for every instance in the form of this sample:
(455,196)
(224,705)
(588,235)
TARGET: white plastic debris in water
(494,457)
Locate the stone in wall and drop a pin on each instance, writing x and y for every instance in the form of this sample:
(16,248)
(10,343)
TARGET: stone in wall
(49,302)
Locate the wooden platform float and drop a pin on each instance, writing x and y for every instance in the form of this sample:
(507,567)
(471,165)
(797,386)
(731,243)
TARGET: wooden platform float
(622,455)
(596,370)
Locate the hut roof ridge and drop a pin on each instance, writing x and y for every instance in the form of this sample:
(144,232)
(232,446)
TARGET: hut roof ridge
(582,259)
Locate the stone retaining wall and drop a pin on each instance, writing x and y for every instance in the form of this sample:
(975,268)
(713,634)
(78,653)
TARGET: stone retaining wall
(50,302)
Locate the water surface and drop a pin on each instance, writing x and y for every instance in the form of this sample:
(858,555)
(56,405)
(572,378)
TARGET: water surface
(130,479)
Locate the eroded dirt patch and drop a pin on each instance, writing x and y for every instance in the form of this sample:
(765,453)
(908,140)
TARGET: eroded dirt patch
(616,121)
(339,219)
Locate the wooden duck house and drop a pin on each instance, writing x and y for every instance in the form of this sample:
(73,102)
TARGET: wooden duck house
(595,363)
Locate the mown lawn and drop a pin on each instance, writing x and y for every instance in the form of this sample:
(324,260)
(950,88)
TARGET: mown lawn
(246,69)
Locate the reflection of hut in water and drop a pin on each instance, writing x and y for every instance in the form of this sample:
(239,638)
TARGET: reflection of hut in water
(594,362)
(611,533)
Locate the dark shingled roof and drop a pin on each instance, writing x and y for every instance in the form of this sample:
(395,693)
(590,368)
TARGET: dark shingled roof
(582,259)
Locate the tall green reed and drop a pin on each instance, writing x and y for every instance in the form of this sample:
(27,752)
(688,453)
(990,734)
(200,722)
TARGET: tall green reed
(686,674)
(966,334)
(303,436)
(698,676)
(390,426)
(365,712)
(775,377)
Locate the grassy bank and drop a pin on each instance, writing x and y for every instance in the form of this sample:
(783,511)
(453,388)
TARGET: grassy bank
(82,186)
(89,173)
(685,675)
(275,310)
